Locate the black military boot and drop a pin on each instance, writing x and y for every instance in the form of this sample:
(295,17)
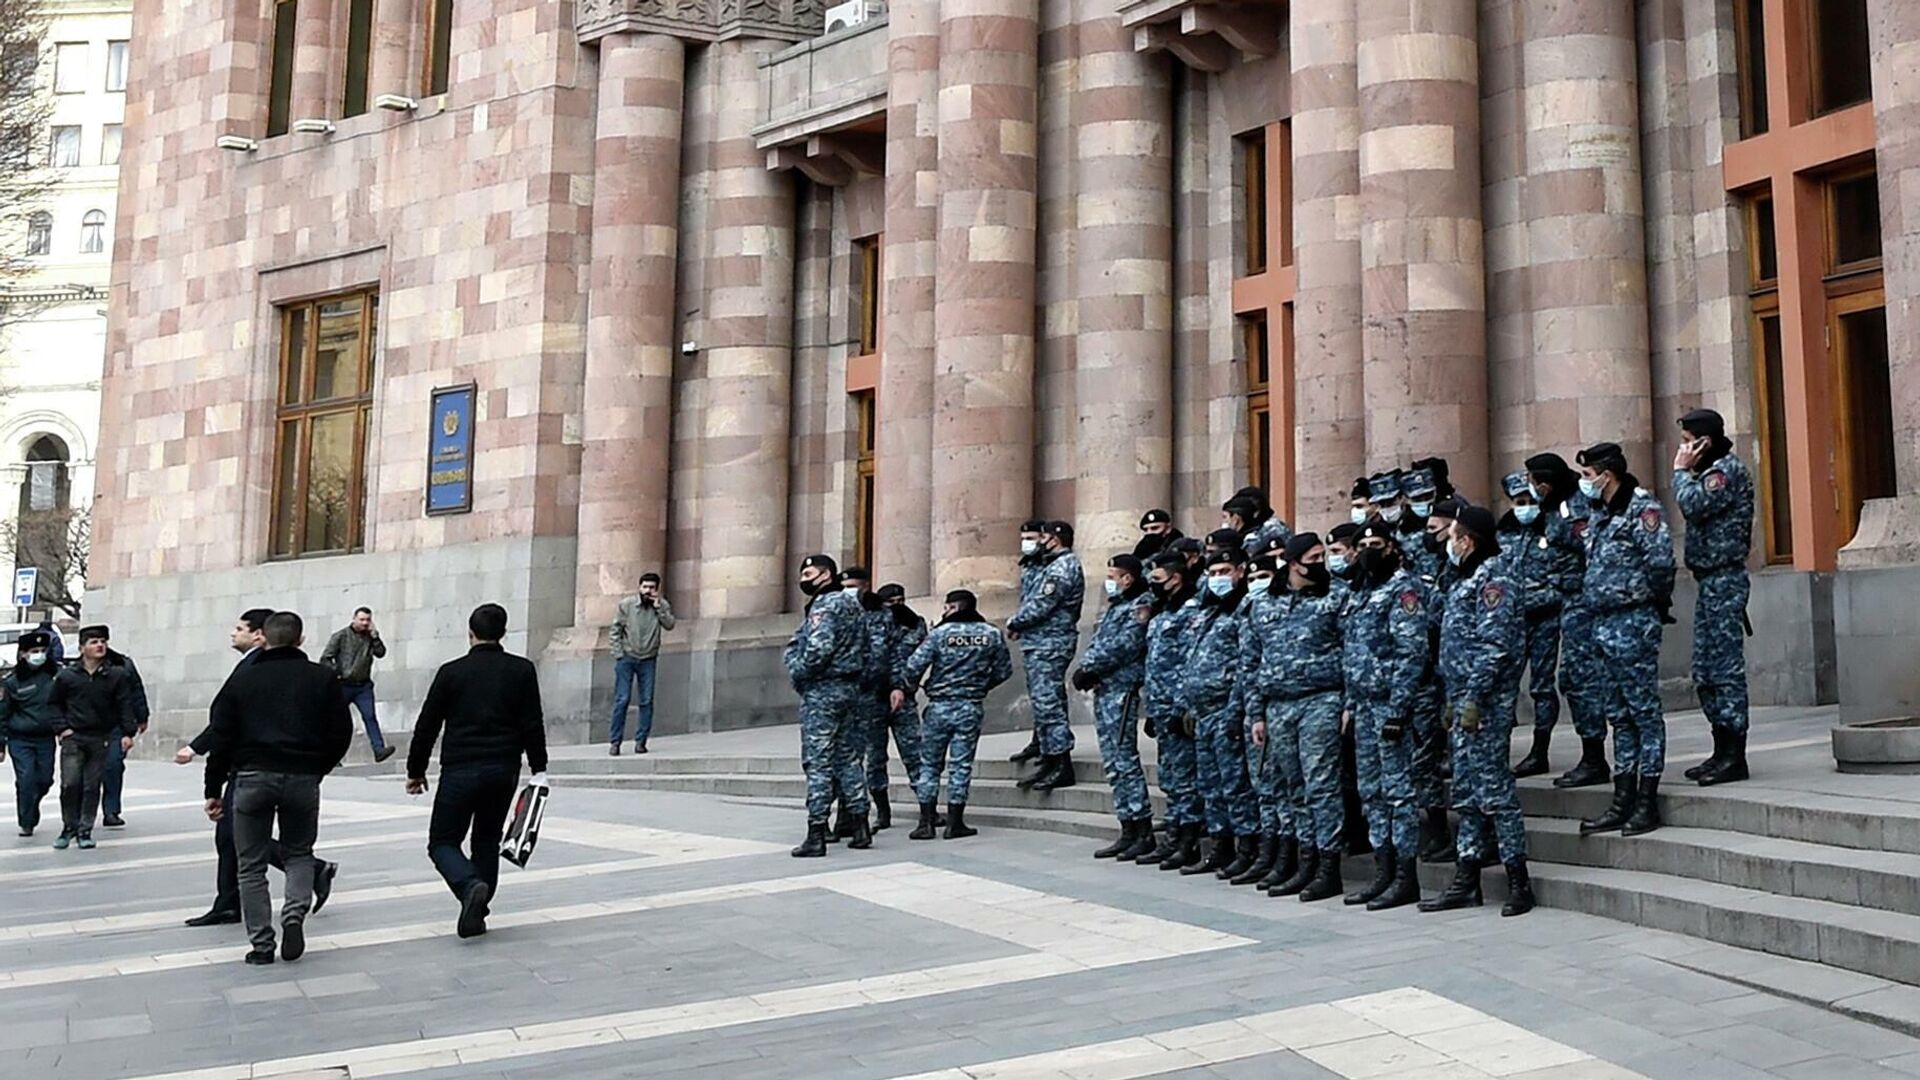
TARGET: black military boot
(1713,760)
(1591,768)
(1462,892)
(1219,853)
(882,810)
(924,831)
(1286,859)
(1733,766)
(1188,853)
(1535,763)
(815,845)
(1263,857)
(1519,889)
(1168,847)
(862,837)
(1246,853)
(1127,833)
(957,827)
(1436,838)
(1032,751)
(1059,776)
(1326,878)
(1617,812)
(1303,872)
(1142,845)
(842,823)
(1646,809)
(1385,865)
(1405,888)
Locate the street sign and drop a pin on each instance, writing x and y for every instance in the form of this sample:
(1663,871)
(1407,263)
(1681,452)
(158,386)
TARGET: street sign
(26,583)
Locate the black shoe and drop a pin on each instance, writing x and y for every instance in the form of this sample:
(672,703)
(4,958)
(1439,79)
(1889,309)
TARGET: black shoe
(1264,854)
(1142,841)
(473,910)
(293,940)
(1646,809)
(1535,763)
(1128,833)
(260,956)
(323,885)
(939,819)
(1617,812)
(215,917)
(1326,878)
(1246,853)
(1713,760)
(1187,852)
(1519,889)
(1286,860)
(1462,892)
(1733,766)
(613,749)
(1304,871)
(1041,774)
(815,845)
(1385,866)
(882,810)
(383,754)
(1591,769)
(113,821)
(1436,838)
(1219,854)
(1032,751)
(862,837)
(1168,847)
(924,830)
(26,830)
(1405,888)
(1061,775)
(640,747)
(957,828)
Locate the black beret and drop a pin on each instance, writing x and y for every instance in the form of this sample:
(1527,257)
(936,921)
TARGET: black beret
(1301,543)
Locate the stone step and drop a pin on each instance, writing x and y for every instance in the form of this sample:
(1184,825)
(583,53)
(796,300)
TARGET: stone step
(1086,770)
(1091,799)
(1844,821)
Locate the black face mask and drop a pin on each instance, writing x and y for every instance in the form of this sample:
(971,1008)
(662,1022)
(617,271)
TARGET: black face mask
(812,588)
(1378,564)
(1435,542)
(1317,574)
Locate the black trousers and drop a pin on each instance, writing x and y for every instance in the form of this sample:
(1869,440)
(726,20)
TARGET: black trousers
(83,766)
(471,806)
(227,895)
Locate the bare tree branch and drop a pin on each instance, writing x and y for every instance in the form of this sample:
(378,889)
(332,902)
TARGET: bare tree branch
(57,542)
(26,175)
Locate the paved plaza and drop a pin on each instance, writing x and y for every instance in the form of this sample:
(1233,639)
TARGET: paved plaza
(670,935)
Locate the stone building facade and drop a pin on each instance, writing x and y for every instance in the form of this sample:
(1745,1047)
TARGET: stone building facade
(730,290)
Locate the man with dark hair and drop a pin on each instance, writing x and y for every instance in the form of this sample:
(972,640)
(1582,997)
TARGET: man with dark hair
(826,660)
(488,701)
(1714,490)
(1169,648)
(115,779)
(635,638)
(1564,509)
(1047,626)
(31,718)
(961,661)
(280,725)
(350,652)
(97,701)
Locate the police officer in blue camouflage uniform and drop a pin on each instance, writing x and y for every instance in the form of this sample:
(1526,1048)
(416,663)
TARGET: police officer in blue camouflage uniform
(1628,587)
(1421,547)
(1564,508)
(1384,638)
(1483,641)
(1714,490)
(1429,754)
(1360,501)
(1170,578)
(1114,667)
(905,630)
(1047,626)
(1532,564)
(1213,692)
(858,583)
(960,661)
(826,660)
(1251,515)
(1033,562)
(1279,843)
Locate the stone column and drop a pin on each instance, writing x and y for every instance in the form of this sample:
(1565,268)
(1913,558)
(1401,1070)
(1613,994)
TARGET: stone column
(738,519)
(315,88)
(1123,281)
(984,292)
(1330,410)
(395,69)
(1584,212)
(1894,26)
(1422,272)
(625,425)
(903,509)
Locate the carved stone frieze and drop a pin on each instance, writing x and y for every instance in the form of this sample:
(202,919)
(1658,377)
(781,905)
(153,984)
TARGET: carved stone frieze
(701,20)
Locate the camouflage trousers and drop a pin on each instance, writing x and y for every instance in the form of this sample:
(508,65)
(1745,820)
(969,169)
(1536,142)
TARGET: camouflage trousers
(1263,773)
(1720,648)
(1304,734)
(1580,671)
(1047,694)
(1222,764)
(1116,721)
(1427,749)
(829,718)
(1543,667)
(1483,787)
(1178,769)
(949,734)
(1386,779)
(1628,689)
(904,723)
(851,750)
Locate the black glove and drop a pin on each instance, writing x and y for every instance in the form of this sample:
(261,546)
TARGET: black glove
(1189,727)
(1393,729)
(1081,681)
(1153,729)
(1236,731)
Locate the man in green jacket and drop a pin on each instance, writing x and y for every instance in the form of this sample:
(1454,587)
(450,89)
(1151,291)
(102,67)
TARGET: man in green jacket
(350,652)
(635,635)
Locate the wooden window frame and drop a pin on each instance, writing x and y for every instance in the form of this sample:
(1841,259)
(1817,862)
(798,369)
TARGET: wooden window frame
(1830,210)
(301,413)
(356,80)
(1252,149)
(866,337)
(1257,344)
(1864,293)
(1266,299)
(285,13)
(1816,69)
(866,484)
(1764,304)
(438,52)
(1755,108)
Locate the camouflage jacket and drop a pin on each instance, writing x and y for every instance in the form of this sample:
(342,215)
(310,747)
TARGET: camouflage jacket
(1117,656)
(1384,642)
(1531,563)
(831,642)
(1212,671)
(1048,618)
(1168,649)
(1629,554)
(1718,505)
(1484,635)
(1294,649)
(959,661)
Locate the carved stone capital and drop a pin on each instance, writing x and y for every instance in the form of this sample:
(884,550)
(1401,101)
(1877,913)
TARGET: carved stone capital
(701,20)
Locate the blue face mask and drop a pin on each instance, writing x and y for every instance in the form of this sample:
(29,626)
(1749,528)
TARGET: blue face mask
(1526,515)
(1338,563)
(1454,556)
(1359,515)
(1590,487)
(1113,588)
(1219,585)
(1260,586)
(1421,509)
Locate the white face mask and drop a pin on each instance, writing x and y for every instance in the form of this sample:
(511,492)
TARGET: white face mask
(1260,586)
(1359,515)
(1113,588)
(1526,515)
(1591,487)
(1391,515)
(36,658)
(1220,584)
(1029,547)
(854,589)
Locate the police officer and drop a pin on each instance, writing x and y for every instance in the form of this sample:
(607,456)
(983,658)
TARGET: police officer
(1532,563)
(1343,550)
(1114,667)
(1430,749)
(1384,643)
(1714,490)
(1168,648)
(1156,532)
(960,661)
(1047,626)
(875,685)
(1628,587)
(1296,690)
(1033,562)
(1343,555)
(905,630)
(1389,503)
(1360,501)
(1279,842)
(1424,548)
(1213,692)
(31,719)
(1482,645)
(826,660)
(1251,515)
(1557,487)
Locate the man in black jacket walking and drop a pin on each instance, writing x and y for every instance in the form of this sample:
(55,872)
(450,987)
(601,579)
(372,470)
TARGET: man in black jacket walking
(489,703)
(31,717)
(116,777)
(279,727)
(98,699)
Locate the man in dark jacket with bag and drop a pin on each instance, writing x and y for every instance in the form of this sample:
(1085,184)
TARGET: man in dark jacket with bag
(489,703)
(280,725)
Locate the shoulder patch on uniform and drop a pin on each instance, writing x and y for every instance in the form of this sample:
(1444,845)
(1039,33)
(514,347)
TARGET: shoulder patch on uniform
(816,618)
(1143,614)
(1580,527)
(1492,596)
(1048,591)
(1714,480)
(1650,519)
(1410,600)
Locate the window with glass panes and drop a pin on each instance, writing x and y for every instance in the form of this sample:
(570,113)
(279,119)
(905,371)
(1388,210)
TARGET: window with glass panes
(325,405)
(865,421)
(1263,293)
